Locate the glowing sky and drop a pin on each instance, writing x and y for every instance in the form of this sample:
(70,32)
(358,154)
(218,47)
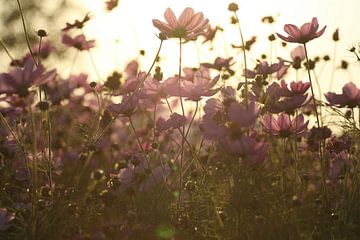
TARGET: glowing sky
(121,33)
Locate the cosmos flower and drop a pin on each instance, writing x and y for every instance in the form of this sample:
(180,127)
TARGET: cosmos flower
(241,116)
(79,42)
(296,88)
(175,121)
(350,96)
(220,64)
(77,24)
(253,151)
(264,69)
(279,98)
(19,80)
(188,26)
(194,85)
(283,126)
(127,107)
(308,31)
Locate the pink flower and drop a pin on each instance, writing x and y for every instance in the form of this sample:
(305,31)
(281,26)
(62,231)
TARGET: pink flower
(79,42)
(111,4)
(305,33)
(298,53)
(212,125)
(175,121)
(127,107)
(19,80)
(253,151)
(283,126)
(194,85)
(282,99)
(350,96)
(241,116)
(189,25)
(132,68)
(201,86)
(264,69)
(77,24)
(296,88)
(220,64)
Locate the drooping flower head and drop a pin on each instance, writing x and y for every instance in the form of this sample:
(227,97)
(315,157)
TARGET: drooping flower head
(188,26)
(308,31)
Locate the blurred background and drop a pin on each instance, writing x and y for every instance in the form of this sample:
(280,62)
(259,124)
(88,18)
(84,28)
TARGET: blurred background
(121,33)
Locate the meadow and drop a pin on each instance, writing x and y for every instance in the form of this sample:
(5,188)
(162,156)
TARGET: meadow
(233,148)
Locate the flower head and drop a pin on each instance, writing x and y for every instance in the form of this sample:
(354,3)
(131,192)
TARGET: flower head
(188,26)
(283,126)
(77,24)
(19,80)
(79,42)
(350,96)
(308,31)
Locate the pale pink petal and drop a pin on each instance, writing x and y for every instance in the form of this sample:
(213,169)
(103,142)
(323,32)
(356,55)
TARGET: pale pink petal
(171,18)
(185,17)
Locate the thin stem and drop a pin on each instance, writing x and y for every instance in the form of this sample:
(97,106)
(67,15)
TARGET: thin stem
(7,126)
(6,50)
(141,147)
(131,96)
(183,128)
(311,87)
(34,173)
(39,51)
(25,32)
(245,63)
(318,124)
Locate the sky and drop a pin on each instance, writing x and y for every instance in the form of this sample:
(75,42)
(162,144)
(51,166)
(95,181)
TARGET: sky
(120,34)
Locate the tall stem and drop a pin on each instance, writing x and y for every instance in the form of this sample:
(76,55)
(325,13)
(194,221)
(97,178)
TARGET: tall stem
(25,32)
(183,128)
(141,147)
(323,173)
(245,63)
(312,87)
